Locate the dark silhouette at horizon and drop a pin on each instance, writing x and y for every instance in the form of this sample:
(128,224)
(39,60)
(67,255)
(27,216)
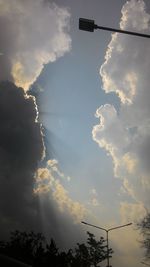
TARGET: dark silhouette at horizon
(32,249)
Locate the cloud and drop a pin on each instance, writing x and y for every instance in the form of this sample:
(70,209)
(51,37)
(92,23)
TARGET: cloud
(94,201)
(93,191)
(50,211)
(36,32)
(132,211)
(126,247)
(129,251)
(48,182)
(125,133)
(128,52)
(21,149)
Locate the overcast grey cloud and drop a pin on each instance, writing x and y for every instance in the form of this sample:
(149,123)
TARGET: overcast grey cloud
(21,150)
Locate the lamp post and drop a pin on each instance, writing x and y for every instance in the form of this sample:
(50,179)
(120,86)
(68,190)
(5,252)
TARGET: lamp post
(107,231)
(89,25)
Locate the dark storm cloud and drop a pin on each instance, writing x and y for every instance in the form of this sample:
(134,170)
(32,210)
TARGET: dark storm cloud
(21,148)
(6,48)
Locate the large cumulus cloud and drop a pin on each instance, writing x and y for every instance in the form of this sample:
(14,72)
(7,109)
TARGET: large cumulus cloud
(124,133)
(33,33)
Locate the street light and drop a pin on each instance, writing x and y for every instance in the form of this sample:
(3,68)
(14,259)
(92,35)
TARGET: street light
(107,231)
(89,25)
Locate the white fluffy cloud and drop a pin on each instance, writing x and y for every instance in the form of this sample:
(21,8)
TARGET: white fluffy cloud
(125,133)
(36,32)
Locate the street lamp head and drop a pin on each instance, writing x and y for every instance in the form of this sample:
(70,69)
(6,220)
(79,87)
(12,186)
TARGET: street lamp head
(87,25)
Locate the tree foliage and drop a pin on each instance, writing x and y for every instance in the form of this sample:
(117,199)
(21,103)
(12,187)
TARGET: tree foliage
(23,246)
(144,226)
(32,248)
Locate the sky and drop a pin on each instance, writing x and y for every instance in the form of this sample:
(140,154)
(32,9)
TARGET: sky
(74,109)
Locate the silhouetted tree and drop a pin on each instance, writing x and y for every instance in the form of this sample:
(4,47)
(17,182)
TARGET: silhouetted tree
(97,249)
(39,256)
(51,254)
(144,226)
(82,257)
(23,246)
(2,247)
(63,260)
(32,248)
(92,253)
